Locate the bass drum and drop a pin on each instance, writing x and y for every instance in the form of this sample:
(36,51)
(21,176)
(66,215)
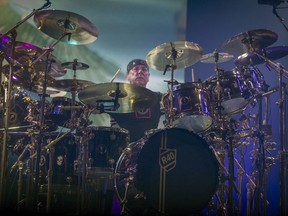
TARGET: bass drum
(172,172)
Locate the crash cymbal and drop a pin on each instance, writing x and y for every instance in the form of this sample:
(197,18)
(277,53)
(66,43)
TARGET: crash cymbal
(75,65)
(271,53)
(70,85)
(55,23)
(27,79)
(130,97)
(186,54)
(25,54)
(253,40)
(211,58)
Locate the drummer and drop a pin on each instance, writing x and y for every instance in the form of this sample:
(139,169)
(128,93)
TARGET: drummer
(137,123)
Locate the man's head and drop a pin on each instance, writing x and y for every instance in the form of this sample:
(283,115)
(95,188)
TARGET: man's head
(138,72)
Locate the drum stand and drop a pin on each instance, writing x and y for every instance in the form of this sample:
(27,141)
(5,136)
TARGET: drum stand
(171,113)
(226,135)
(280,70)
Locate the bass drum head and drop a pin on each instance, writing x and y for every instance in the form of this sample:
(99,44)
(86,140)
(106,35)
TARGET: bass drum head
(173,172)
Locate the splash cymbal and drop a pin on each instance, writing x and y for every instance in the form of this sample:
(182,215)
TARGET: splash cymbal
(211,58)
(25,54)
(71,85)
(272,53)
(56,23)
(185,54)
(117,97)
(75,65)
(253,40)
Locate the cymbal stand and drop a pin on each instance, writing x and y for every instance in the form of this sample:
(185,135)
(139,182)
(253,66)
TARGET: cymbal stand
(41,127)
(3,167)
(281,71)
(171,112)
(4,148)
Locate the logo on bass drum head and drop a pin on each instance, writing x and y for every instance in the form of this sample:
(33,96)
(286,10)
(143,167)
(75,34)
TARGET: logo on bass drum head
(167,159)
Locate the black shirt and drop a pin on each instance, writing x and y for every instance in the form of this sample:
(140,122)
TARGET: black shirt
(137,123)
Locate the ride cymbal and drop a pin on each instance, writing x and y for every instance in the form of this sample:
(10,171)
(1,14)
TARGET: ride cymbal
(253,40)
(212,58)
(117,97)
(56,23)
(184,53)
(271,53)
(70,85)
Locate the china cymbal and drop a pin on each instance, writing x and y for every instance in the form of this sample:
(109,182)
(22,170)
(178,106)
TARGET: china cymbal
(211,58)
(253,40)
(25,54)
(271,53)
(26,78)
(186,54)
(70,85)
(75,65)
(56,23)
(117,97)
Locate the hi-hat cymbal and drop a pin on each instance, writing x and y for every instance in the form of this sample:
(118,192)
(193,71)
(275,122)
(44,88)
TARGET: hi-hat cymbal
(75,65)
(271,53)
(25,54)
(70,85)
(211,57)
(56,23)
(253,40)
(117,97)
(185,54)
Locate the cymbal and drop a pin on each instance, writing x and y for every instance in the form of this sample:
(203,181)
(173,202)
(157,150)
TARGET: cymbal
(56,23)
(211,58)
(71,84)
(249,41)
(131,97)
(271,53)
(75,65)
(26,78)
(25,54)
(187,53)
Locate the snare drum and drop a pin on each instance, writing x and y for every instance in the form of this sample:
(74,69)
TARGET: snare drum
(191,103)
(160,169)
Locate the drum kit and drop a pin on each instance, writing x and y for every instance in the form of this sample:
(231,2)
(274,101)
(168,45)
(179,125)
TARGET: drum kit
(149,174)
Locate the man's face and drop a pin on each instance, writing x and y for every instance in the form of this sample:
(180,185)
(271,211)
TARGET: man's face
(139,75)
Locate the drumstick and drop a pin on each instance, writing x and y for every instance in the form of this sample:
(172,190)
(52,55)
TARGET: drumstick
(115,75)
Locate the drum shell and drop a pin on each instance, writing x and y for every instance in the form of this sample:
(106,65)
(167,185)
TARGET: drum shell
(191,105)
